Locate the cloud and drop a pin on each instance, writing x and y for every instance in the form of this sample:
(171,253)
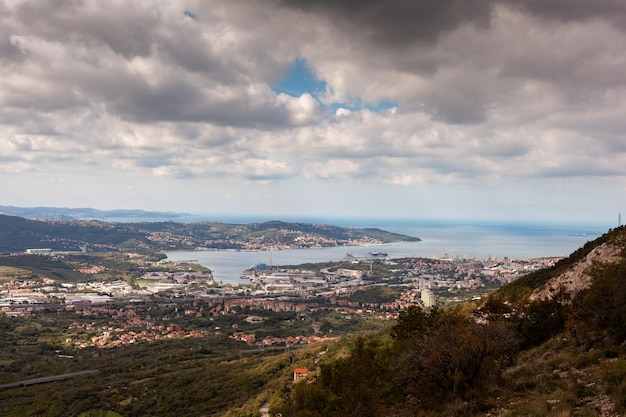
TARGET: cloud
(14,167)
(613,11)
(263,169)
(400,22)
(146,63)
(332,169)
(482,91)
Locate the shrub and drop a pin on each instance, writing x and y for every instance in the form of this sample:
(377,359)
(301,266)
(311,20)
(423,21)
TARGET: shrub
(615,379)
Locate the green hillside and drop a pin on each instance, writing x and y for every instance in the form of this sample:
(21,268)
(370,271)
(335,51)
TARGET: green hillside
(507,356)
(18,234)
(520,289)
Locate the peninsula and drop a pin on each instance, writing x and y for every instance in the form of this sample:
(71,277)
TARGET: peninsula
(18,234)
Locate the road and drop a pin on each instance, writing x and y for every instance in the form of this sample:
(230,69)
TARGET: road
(46,379)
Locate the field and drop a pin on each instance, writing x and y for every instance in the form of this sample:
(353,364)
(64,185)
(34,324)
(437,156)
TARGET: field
(9,273)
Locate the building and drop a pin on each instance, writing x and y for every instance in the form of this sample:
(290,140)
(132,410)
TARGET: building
(300,374)
(428,298)
(42,251)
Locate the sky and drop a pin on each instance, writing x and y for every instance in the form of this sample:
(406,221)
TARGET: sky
(442,109)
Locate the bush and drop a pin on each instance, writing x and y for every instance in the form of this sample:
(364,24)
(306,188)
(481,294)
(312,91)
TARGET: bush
(615,378)
(600,310)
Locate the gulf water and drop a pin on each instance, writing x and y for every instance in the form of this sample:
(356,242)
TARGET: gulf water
(480,240)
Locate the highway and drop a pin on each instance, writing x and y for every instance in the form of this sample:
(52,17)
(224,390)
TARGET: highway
(46,379)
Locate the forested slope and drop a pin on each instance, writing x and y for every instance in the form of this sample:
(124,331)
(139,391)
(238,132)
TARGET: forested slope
(509,355)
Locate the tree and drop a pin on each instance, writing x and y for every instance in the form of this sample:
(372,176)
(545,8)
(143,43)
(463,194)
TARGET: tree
(356,385)
(414,322)
(457,360)
(601,309)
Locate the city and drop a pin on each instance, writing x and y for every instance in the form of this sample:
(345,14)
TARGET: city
(164,299)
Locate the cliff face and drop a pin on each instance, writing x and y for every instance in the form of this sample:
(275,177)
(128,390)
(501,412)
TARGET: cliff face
(578,278)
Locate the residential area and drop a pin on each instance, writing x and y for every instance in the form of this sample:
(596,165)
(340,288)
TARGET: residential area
(274,307)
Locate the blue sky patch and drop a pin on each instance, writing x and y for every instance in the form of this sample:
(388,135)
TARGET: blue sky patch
(300,80)
(381,105)
(191,15)
(359,105)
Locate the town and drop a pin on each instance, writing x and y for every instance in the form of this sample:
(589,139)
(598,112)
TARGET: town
(276,307)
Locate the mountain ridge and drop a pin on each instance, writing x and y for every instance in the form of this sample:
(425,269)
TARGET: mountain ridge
(84,213)
(18,234)
(578,277)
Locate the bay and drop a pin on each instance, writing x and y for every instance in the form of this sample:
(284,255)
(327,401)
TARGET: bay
(439,239)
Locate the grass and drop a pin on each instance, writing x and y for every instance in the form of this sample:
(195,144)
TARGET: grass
(614,375)
(558,379)
(145,281)
(9,273)
(99,413)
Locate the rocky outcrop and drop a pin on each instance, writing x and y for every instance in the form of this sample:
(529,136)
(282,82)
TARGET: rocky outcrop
(578,277)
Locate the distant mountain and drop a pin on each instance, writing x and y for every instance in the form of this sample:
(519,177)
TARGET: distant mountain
(18,234)
(63,213)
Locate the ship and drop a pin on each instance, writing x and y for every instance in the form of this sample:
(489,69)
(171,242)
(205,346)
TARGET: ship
(378,255)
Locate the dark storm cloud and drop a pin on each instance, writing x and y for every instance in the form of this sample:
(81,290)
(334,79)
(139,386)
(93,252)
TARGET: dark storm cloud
(400,21)
(576,10)
(469,58)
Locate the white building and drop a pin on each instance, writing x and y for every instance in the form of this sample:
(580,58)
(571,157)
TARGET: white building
(41,251)
(428,298)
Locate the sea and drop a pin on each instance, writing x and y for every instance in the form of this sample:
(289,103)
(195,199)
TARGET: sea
(439,239)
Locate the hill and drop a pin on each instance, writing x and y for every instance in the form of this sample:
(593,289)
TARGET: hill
(536,347)
(18,234)
(550,344)
(86,213)
(571,274)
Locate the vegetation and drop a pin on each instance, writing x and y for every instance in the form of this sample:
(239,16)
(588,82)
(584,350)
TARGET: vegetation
(209,375)
(179,377)
(18,234)
(67,267)
(506,356)
(8,273)
(42,267)
(520,289)
(99,413)
(562,356)
(378,294)
(599,313)
(428,361)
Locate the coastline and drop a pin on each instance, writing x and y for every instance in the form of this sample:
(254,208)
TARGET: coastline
(457,241)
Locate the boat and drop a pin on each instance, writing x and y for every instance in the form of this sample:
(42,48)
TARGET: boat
(378,255)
